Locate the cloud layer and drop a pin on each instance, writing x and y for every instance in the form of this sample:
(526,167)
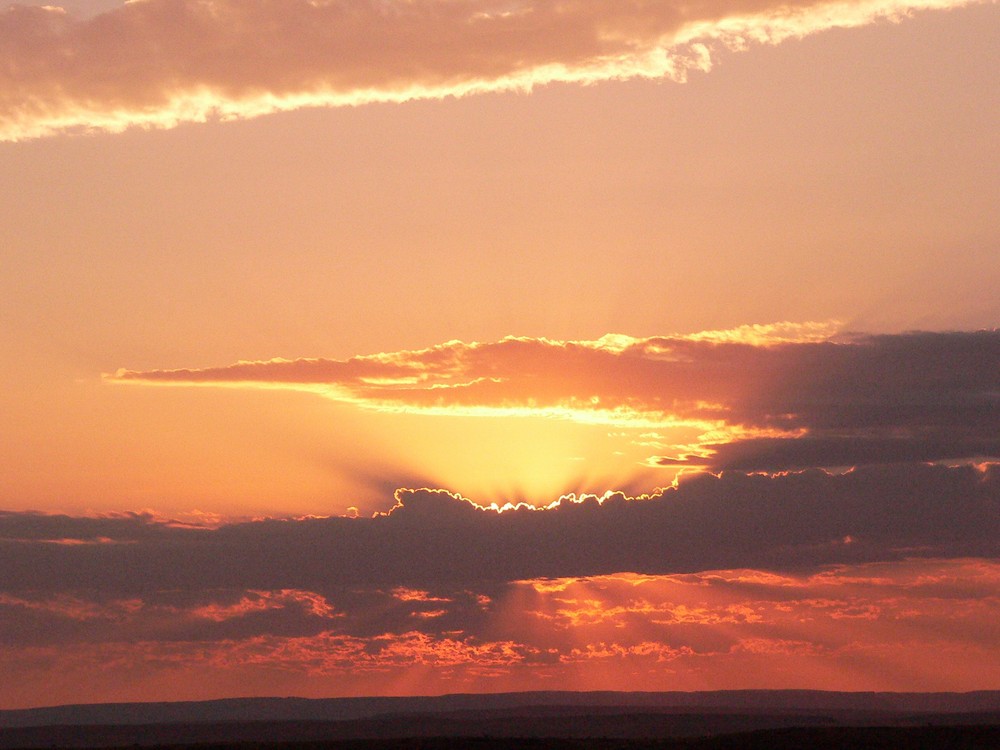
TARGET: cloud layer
(759,398)
(926,624)
(880,578)
(779,522)
(161,62)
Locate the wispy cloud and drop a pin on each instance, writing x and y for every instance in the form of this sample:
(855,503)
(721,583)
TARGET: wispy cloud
(162,62)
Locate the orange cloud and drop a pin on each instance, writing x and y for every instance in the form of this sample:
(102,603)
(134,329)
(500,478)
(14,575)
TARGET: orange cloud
(261,601)
(414,595)
(329,652)
(756,398)
(156,63)
(67,606)
(906,625)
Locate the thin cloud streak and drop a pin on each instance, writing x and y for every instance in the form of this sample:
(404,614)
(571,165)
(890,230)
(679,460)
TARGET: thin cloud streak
(158,63)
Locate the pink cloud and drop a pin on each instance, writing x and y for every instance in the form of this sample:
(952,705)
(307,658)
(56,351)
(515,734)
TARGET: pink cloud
(161,62)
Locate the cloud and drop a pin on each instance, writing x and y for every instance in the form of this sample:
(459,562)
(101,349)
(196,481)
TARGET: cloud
(779,454)
(765,397)
(881,576)
(794,578)
(780,522)
(914,624)
(162,62)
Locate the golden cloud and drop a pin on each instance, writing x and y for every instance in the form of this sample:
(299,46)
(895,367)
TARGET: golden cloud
(157,63)
(786,396)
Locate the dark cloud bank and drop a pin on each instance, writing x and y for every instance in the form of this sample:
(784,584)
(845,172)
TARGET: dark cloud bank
(433,539)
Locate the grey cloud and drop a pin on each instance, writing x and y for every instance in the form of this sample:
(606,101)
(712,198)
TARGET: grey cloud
(42,618)
(432,540)
(119,528)
(782,454)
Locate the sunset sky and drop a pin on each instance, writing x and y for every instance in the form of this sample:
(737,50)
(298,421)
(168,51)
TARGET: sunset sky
(417,346)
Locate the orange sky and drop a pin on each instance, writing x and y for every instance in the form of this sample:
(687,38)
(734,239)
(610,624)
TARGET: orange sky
(498,258)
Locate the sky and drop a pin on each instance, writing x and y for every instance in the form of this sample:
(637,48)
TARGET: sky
(371,347)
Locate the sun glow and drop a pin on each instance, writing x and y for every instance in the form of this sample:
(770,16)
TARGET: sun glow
(529,419)
(527,458)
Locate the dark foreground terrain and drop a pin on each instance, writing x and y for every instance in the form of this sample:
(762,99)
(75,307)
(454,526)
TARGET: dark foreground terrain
(804,738)
(577,732)
(814,720)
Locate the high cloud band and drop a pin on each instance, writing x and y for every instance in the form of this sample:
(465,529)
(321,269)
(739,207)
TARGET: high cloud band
(157,63)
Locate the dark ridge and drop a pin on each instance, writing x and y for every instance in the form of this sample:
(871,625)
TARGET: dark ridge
(795,738)
(341,709)
(578,724)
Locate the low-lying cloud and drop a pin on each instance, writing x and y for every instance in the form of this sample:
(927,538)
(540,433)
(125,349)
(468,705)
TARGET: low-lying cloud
(926,624)
(789,577)
(162,62)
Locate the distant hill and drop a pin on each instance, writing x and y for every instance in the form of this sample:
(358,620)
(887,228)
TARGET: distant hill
(522,704)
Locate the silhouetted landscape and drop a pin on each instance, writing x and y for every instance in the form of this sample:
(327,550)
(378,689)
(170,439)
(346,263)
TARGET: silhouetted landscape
(724,719)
